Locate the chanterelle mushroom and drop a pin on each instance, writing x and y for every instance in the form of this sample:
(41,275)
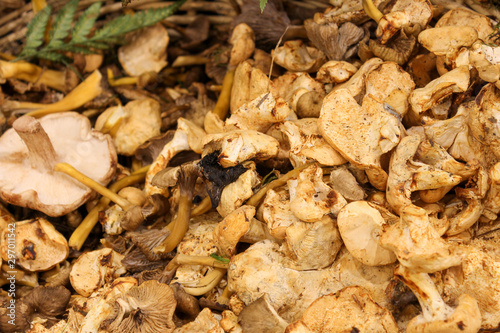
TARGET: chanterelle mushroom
(31,149)
(350,309)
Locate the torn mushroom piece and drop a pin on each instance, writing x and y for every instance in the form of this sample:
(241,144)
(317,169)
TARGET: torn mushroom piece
(145,308)
(350,309)
(204,322)
(131,125)
(260,316)
(237,146)
(417,244)
(437,316)
(407,175)
(31,149)
(295,56)
(249,82)
(92,269)
(38,245)
(311,198)
(335,72)
(306,143)
(361,226)
(361,134)
(146,52)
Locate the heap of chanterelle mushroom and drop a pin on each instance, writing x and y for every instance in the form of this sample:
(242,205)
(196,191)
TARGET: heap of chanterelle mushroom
(352,186)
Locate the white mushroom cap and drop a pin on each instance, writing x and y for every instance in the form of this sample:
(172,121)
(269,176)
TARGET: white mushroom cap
(361,226)
(38,245)
(92,269)
(146,52)
(447,40)
(27,176)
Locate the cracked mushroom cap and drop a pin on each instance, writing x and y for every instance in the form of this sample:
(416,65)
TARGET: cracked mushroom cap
(350,309)
(295,56)
(360,133)
(147,308)
(30,150)
(146,51)
(38,245)
(136,122)
(361,226)
(92,269)
(311,198)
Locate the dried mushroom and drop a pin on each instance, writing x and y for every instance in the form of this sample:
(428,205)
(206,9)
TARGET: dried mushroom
(38,245)
(297,57)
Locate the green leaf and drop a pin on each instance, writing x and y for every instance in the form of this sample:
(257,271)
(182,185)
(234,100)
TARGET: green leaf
(77,49)
(125,24)
(53,56)
(269,177)
(263,4)
(219,258)
(36,32)
(85,23)
(62,24)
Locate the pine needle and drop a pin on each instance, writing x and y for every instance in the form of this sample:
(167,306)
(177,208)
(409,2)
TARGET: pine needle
(80,42)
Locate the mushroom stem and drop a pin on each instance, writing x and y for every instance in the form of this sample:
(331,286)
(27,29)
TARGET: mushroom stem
(187,180)
(189,60)
(421,284)
(257,197)
(204,206)
(224,297)
(372,11)
(184,259)
(83,230)
(32,73)
(86,91)
(121,81)
(40,150)
(69,170)
(207,283)
(222,106)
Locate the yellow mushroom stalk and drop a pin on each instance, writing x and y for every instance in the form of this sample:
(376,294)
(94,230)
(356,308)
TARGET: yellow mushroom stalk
(69,170)
(83,230)
(31,73)
(121,81)
(204,206)
(189,60)
(222,106)
(86,91)
(372,11)
(207,283)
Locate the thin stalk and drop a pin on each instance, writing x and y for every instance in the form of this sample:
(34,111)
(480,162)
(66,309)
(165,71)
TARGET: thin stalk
(222,106)
(79,236)
(210,281)
(372,11)
(71,171)
(184,259)
(204,206)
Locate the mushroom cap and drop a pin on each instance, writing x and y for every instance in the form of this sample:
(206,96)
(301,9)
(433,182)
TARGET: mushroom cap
(204,322)
(249,82)
(38,245)
(89,151)
(465,17)
(297,57)
(350,309)
(228,232)
(146,52)
(140,122)
(447,39)
(92,269)
(361,226)
(335,71)
(146,308)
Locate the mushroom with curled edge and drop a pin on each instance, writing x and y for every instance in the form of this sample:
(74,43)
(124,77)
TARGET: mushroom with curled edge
(407,175)
(350,309)
(360,133)
(31,149)
(417,244)
(361,227)
(335,72)
(38,245)
(437,316)
(295,56)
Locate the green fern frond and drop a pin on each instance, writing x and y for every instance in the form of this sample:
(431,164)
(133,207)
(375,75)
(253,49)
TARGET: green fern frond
(263,4)
(85,23)
(36,32)
(62,24)
(80,42)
